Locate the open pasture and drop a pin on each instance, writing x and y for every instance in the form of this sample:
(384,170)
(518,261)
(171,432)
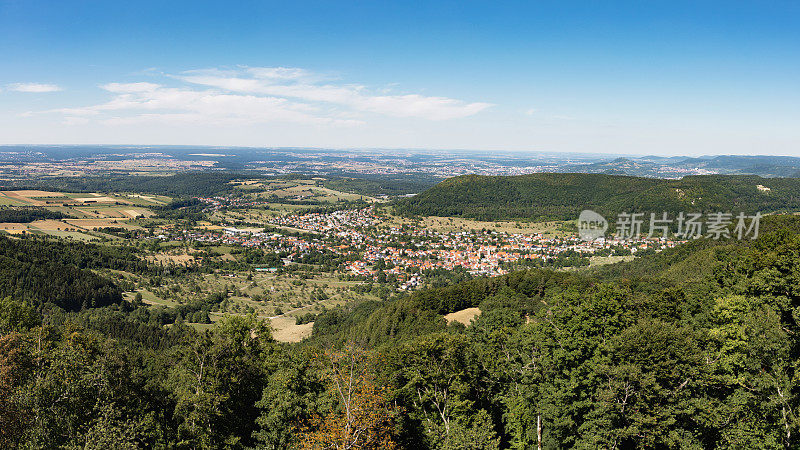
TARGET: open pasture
(14,228)
(71,235)
(284,329)
(53,225)
(147,200)
(26,198)
(89,224)
(5,200)
(114,212)
(465,316)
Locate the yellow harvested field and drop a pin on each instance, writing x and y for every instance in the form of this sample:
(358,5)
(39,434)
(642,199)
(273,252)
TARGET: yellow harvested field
(33,193)
(102,223)
(15,195)
(53,225)
(132,213)
(464,316)
(87,212)
(13,228)
(285,330)
(113,212)
(98,199)
(148,198)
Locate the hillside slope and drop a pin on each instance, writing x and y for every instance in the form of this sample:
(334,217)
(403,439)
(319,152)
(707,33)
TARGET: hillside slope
(555,196)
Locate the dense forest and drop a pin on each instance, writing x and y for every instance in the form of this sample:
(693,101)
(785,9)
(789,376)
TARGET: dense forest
(28,214)
(381,185)
(556,196)
(691,347)
(40,271)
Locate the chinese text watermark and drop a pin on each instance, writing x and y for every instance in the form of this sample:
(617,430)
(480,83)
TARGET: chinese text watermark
(716,225)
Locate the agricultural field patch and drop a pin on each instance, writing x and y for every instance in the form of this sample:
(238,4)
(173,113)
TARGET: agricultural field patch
(5,200)
(98,199)
(70,235)
(14,228)
(89,224)
(53,225)
(147,200)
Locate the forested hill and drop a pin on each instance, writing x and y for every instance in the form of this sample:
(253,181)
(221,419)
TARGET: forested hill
(39,271)
(559,196)
(696,347)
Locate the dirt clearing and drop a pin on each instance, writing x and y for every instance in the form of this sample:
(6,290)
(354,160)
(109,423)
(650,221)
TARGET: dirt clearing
(464,316)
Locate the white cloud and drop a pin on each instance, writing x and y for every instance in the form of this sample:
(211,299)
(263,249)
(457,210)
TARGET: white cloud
(300,84)
(149,102)
(124,88)
(33,87)
(75,121)
(252,95)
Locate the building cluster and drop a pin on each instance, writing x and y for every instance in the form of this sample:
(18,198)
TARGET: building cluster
(404,253)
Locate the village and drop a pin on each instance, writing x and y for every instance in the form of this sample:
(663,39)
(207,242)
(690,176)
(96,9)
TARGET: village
(373,249)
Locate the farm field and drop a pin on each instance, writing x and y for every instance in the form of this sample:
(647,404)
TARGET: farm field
(88,224)
(296,190)
(84,204)
(88,211)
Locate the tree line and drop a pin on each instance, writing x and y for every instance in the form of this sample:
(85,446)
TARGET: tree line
(27,214)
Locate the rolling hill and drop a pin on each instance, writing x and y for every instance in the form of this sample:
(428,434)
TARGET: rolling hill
(561,196)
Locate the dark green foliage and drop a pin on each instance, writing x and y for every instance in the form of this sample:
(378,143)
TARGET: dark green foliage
(305,318)
(692,347)
(557,196)
(381,185)
(28,214)
(530,284)
(51,272)
(17,315)
(184,208)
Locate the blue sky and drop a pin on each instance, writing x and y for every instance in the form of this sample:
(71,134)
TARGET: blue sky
(666,77)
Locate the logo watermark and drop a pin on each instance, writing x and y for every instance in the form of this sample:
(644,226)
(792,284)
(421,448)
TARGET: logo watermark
(686,226)
(591,225)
